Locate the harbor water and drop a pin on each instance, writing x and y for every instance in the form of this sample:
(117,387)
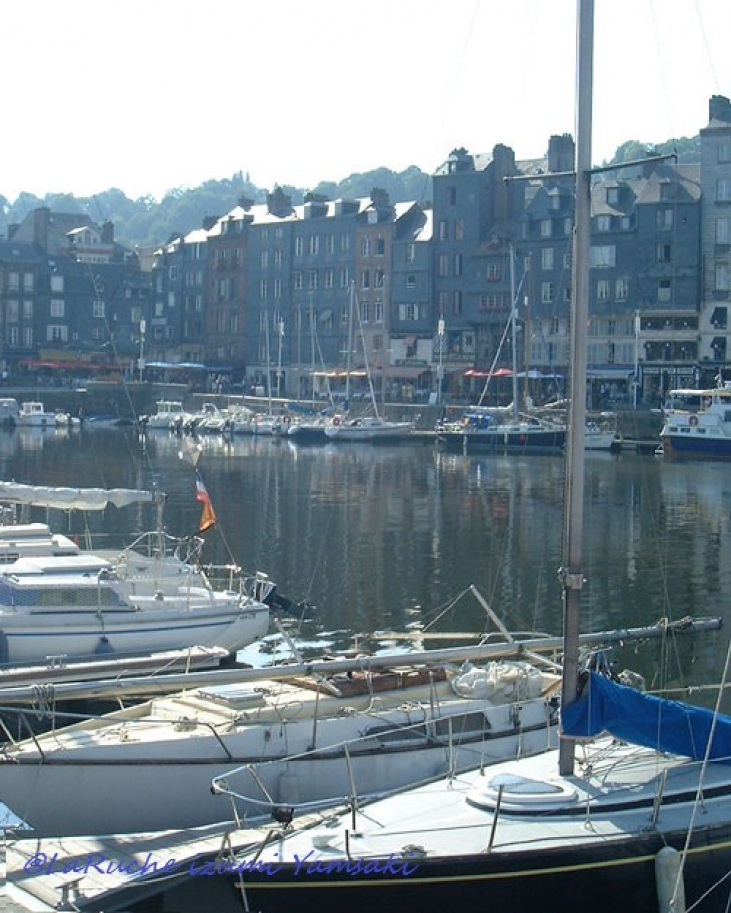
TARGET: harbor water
(391,538)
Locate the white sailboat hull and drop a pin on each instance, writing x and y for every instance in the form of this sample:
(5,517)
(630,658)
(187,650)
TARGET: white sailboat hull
(260,741)
(368,429)
(222,621)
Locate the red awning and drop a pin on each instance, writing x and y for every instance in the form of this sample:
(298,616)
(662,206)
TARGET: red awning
(476,372)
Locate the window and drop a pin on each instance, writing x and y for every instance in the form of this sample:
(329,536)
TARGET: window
(546,226)
(344,277)
(314,244)
(313,279)
(547,258)
(365,247)
(459,229)
(723,230)
(379,277)
(55,333)
(411,281)
(457,303)
(452,196)
(365,315)
(365,279)
(329,244)
(663,290)
(12,310)
(98,309)
(328,278)
(603,223)
(277,288)
(410,253)
(443,230)
(299,247)
(378,311)
(262,289)
(27,337)
(723,190)
(380,246)
(546,292)
(568,226)
(602,290)
(722,277)
(56,282)
(28,282)
(458,264)
(264,259)
(493,272)
(14,282)
(621,289)
(443,265)
(603,256)
(663,252)
(12,336)
(344,317)
(664,219)
(613,196)
(299,280)
(724,153)
(344,242)
(57,307)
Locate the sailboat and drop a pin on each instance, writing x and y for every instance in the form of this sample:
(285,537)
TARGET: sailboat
(373,427)
(640,819)
(504,429)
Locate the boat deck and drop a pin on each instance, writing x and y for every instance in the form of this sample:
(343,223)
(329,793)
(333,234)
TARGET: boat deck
(85,873)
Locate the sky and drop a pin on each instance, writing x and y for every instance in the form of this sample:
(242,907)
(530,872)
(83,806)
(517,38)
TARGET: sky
(151,95)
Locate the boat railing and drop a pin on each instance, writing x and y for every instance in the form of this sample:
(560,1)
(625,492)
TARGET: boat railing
(431,731)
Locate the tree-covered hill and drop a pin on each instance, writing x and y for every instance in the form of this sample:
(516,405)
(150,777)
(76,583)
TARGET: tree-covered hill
(147,223)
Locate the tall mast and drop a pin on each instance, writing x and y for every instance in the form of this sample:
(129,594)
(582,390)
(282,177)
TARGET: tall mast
(350,341)
(571,574)
(513,327)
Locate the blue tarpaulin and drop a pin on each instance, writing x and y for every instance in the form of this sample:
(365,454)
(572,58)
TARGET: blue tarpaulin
(643,719)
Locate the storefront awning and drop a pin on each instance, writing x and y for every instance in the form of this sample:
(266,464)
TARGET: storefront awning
(610,372)
(406,372)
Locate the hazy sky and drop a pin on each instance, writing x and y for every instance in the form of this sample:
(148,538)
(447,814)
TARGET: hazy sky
(148,95)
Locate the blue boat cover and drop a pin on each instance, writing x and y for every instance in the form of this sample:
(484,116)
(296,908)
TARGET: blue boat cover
(643,719)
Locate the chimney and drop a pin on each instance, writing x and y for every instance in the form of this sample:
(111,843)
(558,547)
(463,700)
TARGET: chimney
(561,153)
(379,198)
(108,232)
(719,108)
(41,220)
(279,203)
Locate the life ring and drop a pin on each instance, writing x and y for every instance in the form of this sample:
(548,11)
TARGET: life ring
(693,420)
(336,421)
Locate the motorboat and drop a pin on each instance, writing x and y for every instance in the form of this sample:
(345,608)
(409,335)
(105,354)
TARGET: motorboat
(57,599)
(169,415)
(33,414)
(698,423)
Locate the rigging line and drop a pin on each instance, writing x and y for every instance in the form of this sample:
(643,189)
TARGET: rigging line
(453,89)
(699,794)
(662,70)
(707,47)
(513,306)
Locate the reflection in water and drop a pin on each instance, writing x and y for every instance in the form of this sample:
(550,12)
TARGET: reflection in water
(386,537)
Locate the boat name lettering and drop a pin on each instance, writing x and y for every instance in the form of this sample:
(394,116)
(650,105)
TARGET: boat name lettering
(388,866)
(43,864)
